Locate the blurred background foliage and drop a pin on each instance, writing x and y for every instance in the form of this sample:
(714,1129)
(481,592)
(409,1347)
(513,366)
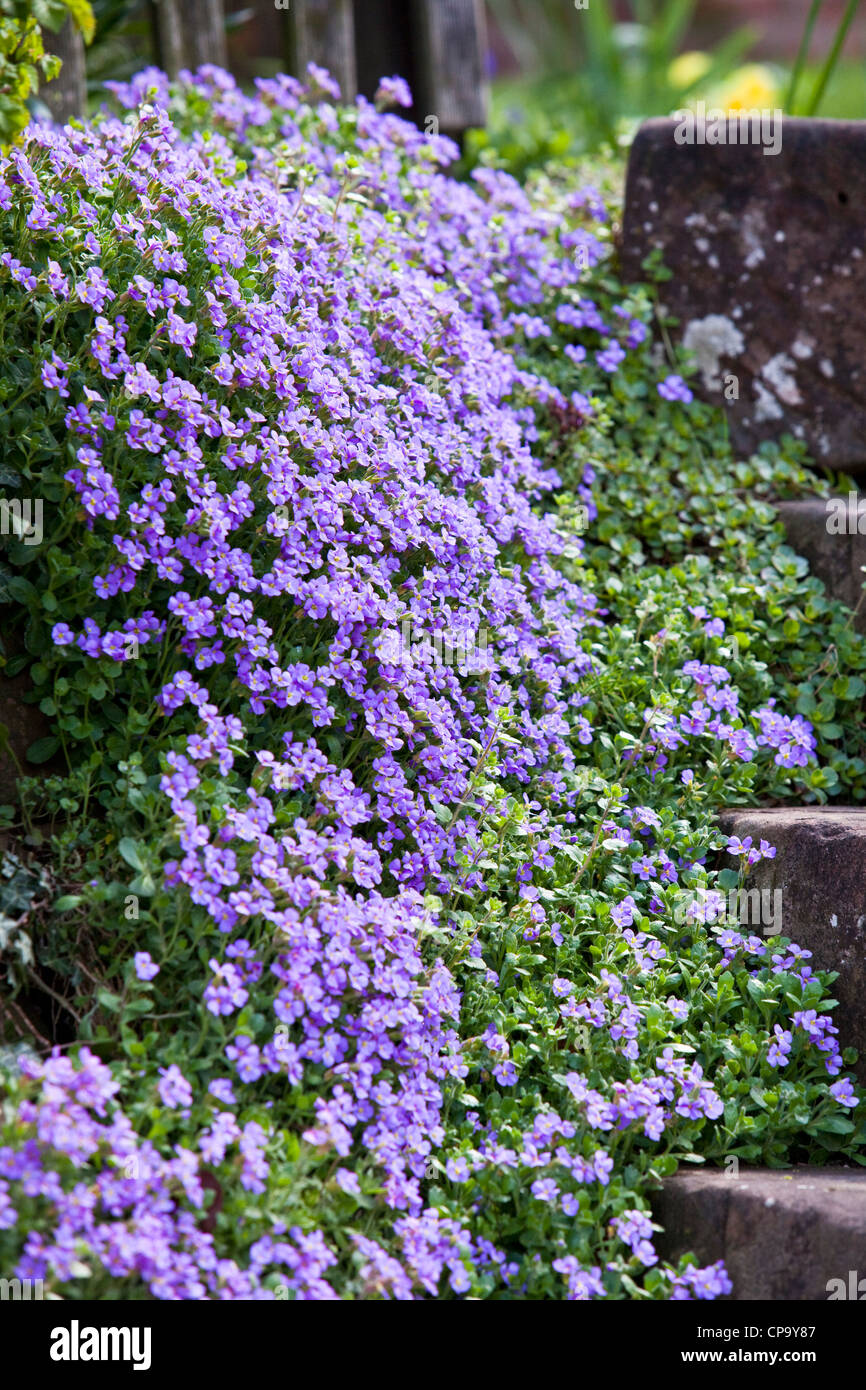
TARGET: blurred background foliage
(568,78)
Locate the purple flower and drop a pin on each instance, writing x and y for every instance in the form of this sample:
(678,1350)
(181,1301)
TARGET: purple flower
(348,1181)
(221,1089)
(777,1055)
(145,968)
(583,1284)
(737,846)
(174,1089)
(340,433)
(458,1169)
(708,1283)
(843,1092)
(545,1190)
(623,914)
(611,357)
(673,388)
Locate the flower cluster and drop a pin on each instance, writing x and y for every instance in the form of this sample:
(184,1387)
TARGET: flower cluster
(286,361)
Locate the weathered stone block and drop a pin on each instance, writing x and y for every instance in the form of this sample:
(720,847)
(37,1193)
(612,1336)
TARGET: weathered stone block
(826,533)
(795,1235)
(769,273)
(820,869)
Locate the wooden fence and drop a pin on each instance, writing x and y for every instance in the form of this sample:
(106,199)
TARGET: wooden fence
(437,45)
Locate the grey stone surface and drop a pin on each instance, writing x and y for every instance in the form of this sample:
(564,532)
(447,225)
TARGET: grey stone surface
(820,868)
(835,555)
(783,1234)
(769,273)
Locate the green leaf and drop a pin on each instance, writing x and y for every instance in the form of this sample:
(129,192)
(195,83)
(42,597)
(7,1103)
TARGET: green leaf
(82,16)
(17,590)
(833,1124)
(665,1165)
(142,1005)
(130,850)
(42,750)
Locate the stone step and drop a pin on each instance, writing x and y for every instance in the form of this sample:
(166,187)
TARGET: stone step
(784,1235)
(820,874)
(825,532)
(768,275)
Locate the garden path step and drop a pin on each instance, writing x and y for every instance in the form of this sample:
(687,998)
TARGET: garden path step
(818,883)
(768,274)
(783,1234)
(835,555)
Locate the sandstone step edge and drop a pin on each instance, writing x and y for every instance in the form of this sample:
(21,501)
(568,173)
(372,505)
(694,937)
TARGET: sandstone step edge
(831,534)
(816,887)
(787,1235)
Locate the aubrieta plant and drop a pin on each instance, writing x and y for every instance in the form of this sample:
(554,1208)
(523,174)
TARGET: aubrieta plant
(375,975)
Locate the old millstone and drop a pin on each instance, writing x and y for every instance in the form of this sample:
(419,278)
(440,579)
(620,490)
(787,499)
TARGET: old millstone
(768,270)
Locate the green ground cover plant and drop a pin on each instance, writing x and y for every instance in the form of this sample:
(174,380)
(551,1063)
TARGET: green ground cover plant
(384,968)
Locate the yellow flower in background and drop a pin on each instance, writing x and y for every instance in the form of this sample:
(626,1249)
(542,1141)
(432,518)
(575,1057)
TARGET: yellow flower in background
(688,68)
(750,88)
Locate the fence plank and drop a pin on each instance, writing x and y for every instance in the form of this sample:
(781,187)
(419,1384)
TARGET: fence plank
(450,39)
(204,32)
(323,32)
(189,33)
(165,18)
(385,46)
(66,96)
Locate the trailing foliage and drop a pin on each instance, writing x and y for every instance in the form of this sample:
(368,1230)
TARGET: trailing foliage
(23,60)
(384,615)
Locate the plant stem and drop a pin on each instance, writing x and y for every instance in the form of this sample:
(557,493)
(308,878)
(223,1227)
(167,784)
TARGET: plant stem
(802,53)
(833,56)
